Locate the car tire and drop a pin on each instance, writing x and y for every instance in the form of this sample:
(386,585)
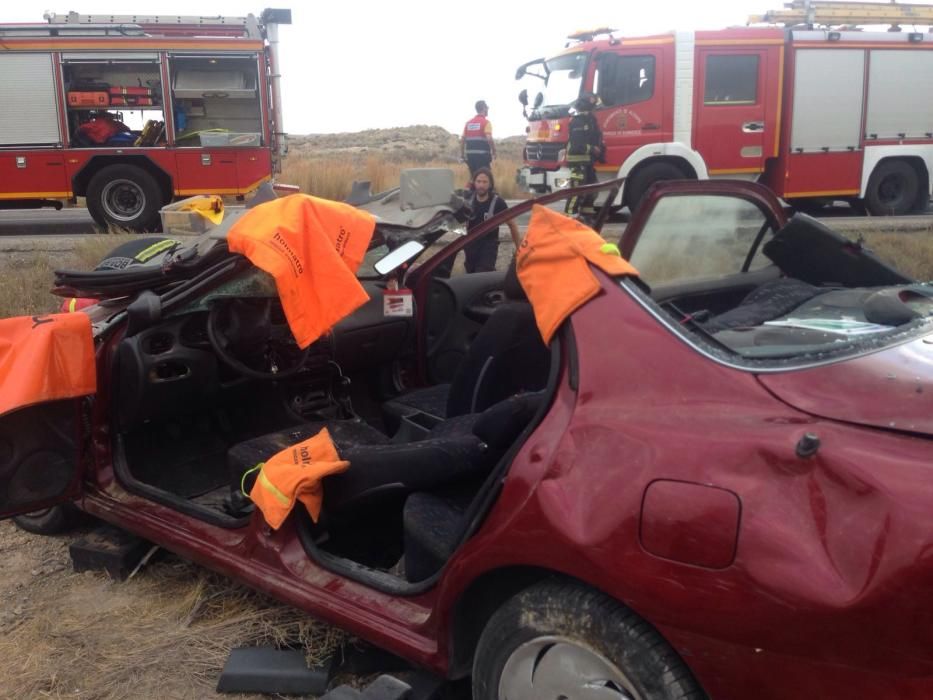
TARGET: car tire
(893,189)
(528,638)
(645,177)
(51,521)
(125,196)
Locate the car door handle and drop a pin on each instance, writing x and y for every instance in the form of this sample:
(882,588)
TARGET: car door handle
(752,127)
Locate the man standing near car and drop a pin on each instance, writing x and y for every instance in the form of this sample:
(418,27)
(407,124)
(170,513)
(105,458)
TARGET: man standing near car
(477,147)
(482,254)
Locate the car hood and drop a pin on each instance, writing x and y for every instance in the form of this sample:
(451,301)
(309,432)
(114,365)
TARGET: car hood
(891,388)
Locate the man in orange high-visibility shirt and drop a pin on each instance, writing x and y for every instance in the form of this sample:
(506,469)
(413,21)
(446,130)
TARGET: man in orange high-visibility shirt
(476,145)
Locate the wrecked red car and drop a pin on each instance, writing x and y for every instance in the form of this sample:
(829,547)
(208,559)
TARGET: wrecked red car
(714,481)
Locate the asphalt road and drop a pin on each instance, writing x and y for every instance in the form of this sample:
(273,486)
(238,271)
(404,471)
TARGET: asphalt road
(46,222)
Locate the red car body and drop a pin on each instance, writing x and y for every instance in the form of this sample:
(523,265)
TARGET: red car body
(773,524)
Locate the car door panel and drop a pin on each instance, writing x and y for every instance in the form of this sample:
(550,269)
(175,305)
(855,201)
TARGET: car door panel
(40,456)
(47,364)
(454,313)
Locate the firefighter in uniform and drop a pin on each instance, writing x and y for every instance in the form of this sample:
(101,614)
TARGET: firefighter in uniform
(584,148)
(476,145)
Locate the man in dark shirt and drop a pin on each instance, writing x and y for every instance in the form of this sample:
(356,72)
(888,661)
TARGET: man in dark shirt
(481,254)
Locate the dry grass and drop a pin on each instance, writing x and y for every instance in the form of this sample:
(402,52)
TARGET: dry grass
(165,633)
(26,278)
(332,178)
(25,289)
(911,253)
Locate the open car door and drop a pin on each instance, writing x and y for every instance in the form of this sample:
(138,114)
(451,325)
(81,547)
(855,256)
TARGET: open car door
(46,367)
(701,242)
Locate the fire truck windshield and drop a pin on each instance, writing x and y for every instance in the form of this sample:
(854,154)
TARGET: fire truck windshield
(562,86)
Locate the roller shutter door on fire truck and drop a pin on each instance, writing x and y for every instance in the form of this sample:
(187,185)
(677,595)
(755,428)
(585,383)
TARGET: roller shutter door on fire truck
(900,86)
(28,110)
(828,93)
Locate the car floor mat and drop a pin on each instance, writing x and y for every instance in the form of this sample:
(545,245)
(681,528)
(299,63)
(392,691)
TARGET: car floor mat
(185,463)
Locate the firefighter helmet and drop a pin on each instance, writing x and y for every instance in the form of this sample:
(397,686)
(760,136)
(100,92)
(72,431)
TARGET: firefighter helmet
(586,102)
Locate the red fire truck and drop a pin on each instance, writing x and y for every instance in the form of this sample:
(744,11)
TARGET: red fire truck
(816,114)
(204,91)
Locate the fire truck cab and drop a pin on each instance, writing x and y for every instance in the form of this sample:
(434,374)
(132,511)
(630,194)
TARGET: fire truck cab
(132,112)
(815,114)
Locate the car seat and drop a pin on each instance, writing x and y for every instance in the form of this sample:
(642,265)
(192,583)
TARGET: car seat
(457,449)
(506,357)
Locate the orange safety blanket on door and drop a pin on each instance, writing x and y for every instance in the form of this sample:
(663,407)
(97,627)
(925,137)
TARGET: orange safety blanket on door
(45,358)
(553,266)
(312,247)
(295,474)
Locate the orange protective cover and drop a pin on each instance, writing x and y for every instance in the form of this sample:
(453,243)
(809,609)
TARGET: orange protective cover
(553,266)
(312,247)
(88,99)
(293,474)
(45,358)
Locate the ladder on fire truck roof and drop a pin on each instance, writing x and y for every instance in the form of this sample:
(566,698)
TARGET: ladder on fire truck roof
(74,24)
(818,12)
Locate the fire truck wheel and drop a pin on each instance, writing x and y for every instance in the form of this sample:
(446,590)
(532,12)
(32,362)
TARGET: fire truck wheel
(893,189)
(124,196)
(647,176)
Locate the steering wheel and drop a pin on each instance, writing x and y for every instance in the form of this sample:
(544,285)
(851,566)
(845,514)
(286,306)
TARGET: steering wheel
(252,338)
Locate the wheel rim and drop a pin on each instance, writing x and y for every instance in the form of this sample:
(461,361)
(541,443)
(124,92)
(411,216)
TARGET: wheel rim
(891,189)
(39,513)
(123,200)
(557,668)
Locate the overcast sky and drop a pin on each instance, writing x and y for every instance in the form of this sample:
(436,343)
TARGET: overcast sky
(349,65)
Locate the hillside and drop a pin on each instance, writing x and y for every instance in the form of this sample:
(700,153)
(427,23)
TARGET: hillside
(418,143)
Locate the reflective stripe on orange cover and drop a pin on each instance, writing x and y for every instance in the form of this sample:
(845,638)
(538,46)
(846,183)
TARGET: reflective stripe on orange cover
(45,358)
(294,474)
(312,247)
(553,266)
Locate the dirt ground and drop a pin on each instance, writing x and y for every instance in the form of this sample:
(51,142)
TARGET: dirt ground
(165,633)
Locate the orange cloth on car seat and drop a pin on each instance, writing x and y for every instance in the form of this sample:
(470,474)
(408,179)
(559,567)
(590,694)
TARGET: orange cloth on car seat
(312,247)
(294,474)
(45,358)
(553,266)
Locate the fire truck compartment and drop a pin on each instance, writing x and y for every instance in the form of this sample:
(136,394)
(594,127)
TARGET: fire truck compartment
(127,87)
(28,109)
(219,98)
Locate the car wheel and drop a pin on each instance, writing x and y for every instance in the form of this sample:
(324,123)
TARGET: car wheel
(893,189)
(124,196)
(50,521)
(563,640)
(645,177)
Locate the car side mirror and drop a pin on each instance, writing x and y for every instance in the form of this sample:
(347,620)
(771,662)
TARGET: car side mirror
(523,97)
(539,98)
(406,252)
